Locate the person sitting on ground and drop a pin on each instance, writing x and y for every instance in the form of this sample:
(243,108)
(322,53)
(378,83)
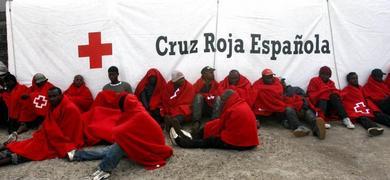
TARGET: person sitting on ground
(206,103)
(269,101)
(238,83)
(37,105)
(377,91)
(60,133)
(362,110)
(136,135)
(177,99)
(235,129)
(115,84)
(79,94)
(323,95)
(296,97)
(149,91)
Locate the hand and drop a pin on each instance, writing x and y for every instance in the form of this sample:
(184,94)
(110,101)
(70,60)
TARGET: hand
(11,138)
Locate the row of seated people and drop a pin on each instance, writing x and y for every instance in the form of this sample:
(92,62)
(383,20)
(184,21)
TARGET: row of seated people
(236,126)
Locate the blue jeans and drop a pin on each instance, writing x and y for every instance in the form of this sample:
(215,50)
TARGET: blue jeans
(111,156)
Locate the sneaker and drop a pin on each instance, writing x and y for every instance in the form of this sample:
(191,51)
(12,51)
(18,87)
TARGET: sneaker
(99,174)
(301,131)
(347,122)
(328,126)
(320,129)
(375,131)
(173,136)
(71,154)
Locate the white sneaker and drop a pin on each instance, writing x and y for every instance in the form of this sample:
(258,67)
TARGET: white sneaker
(328,126)
(99,174)
(71,154)
(347,122)
(173,135)
(375,131)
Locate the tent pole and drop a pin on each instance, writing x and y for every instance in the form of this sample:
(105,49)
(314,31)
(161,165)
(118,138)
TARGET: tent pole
(334,53)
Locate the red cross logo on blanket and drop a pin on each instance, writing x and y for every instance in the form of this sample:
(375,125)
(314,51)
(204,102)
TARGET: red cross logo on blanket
(360,107)
(40,101)
(95,50)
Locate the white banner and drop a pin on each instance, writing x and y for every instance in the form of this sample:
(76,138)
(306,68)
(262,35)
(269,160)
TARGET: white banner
(64,38)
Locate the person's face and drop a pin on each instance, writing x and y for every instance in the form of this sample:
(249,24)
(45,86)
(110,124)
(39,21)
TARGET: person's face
(378,77)
(41,83)
(113,76)
(54,98)
(233,78)
(324,77)
(78,81)
(208,75)
(179,82)
(354,81)
(152,80)
(268,79)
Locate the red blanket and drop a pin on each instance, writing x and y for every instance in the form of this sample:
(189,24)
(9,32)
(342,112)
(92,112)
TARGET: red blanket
(98,124)
(178,102)
(155,101)
(139,135)
(211,95)
(38,104)
(81,96)
(13,101)
(387,81)
(60,132)
(268,97)
(107,98)
(319,90)
(243,88)
(375,91)
(355,104)
(236,126)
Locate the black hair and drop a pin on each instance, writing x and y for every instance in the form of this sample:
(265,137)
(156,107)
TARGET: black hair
(113,69)
(55,88)
(349,75)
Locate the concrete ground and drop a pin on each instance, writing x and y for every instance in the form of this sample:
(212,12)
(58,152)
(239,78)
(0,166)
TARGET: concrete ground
(344,154)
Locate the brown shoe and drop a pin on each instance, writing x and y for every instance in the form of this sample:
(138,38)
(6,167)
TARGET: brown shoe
(320,130)
(301,131)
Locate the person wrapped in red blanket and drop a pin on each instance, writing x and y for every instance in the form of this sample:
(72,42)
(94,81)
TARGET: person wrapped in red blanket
(324,95)
(234,129)
(37,106)
(238,83)
(269,101)
(79,94)
(177,100)
(360,109)
(136,135)
(13,101)
(60,133)
(377,91)
(207,102)
(149,92)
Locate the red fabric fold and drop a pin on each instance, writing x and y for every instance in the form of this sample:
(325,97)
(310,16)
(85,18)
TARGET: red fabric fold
(60,132)
(13,101)
(375,91)
(177,102)
(155,101)
(243,88)
(268,97)
(319,90)
(355,104)
(140,136)
(81,96)
(236,125)
(387,81)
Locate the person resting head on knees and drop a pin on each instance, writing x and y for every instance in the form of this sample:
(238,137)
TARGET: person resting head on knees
(79,94)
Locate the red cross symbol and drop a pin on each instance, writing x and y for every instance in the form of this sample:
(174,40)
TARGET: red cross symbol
(95,50)
(360,107)
(40,101)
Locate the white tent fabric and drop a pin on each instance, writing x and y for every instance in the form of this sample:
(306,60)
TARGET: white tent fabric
(248,35)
